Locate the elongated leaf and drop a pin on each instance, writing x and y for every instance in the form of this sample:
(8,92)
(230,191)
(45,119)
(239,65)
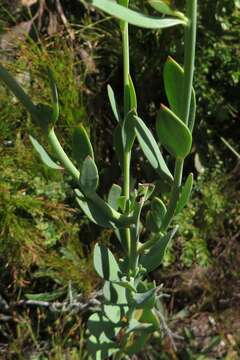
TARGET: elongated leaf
(118,145)
(161,6)
(173,75)
(105,263)
(128,133)
(113,196)
(113,103)
(135,326)
(115,293)
(89,176)
(151,150)
(134,17)
(93,212)
(101,343)
(142,298)
(55,101)
(81,145)
(185,194)
(18,91)
(155,215)
(173,134)
(132,93)
(113,312)
(155,255)
(44,155)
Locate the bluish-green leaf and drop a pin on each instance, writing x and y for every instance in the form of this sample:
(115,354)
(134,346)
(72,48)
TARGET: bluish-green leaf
(114,312)
(101,343)
(132,93)
(151,150)
(173,134)
(135,326)
(93,212)
(115,294)
(173,75)
(134,17)
(18,91)
(113,196)
(185,194)
(154,257)
(105,263)
(128,132)
(118,144)
(81,145)
(44,155)
(141,299)
(113,103)
(89,176)
(55,101)
(161,6)
(155,215)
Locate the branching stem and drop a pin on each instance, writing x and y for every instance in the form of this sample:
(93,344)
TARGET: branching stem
(189,59)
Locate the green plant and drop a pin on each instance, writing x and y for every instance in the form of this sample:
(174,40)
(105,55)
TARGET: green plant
(130,311)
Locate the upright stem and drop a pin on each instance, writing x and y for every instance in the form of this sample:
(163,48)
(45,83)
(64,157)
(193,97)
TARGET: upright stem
(189,59)
(127,155)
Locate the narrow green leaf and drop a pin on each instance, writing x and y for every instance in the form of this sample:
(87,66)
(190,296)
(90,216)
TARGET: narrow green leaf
(151,150)
(113,196)
(134,17)
(81,145)
(132,93)
(135,325)
(55,101)
(113,103)
(173,75)
(158,207)
(161,6)
(142,298)
(44,155)
(18,91)
(153,258)
(155,215)
(185,194)
(89,176)
(93,212)
(118,145)
(115,294)
(173,134)
(192,112)
(128,132)
(105,263)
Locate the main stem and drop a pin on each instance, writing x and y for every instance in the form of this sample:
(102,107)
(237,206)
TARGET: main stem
(127,155)
(189,59)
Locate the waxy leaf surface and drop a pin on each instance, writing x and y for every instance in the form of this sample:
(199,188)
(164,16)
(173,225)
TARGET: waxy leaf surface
(185,194)
(173,75)
(44,155)
(105,263)
(154,257)
(173,134)
(113,103)
(89,176)
(150,149)
(81,145)
(134,17)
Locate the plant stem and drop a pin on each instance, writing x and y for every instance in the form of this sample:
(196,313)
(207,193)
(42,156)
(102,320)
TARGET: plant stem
(62,156)
(127,155)
(189,58)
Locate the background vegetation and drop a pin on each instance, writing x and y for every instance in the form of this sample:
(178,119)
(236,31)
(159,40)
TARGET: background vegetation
(47,284)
